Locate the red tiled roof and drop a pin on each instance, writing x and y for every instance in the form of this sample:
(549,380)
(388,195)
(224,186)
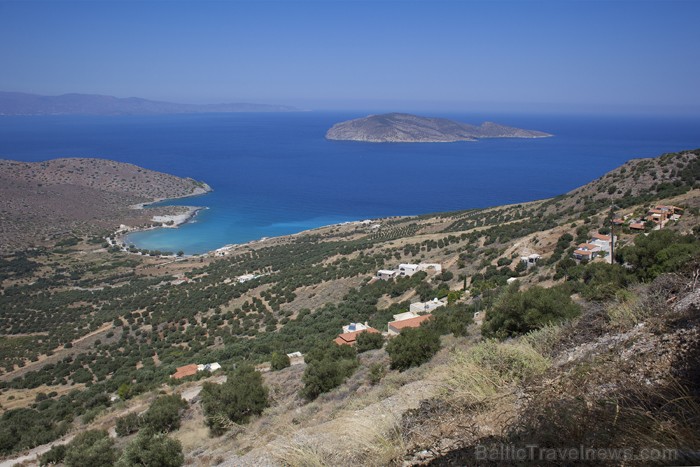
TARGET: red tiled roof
(637,225)
(598,236)
(185,371)
(349,338)
(409,323)
(583,252)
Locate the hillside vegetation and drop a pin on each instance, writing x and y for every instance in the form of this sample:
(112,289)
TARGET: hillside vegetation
(568,354)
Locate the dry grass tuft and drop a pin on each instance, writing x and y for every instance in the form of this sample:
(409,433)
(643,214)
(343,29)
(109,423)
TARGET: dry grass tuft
(492,367)
(626,311)
(353,439)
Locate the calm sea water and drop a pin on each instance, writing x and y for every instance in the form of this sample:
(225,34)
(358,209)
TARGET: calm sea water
(275,174)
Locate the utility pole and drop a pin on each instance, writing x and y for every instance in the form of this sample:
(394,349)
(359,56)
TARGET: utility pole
(612,233)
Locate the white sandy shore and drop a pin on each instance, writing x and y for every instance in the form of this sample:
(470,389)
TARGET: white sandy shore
(174,220)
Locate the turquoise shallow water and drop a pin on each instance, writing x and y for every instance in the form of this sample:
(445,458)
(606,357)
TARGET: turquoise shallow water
(275,174)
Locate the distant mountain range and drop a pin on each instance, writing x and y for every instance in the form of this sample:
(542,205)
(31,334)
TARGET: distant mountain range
(407,128)
(18,103)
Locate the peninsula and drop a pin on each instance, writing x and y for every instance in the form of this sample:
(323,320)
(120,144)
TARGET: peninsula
(62,197)
(407,128)
(19,103)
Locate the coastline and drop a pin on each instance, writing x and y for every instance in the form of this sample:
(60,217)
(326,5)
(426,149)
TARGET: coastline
(169,221)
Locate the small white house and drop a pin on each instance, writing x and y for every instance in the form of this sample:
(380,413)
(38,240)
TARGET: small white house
(386,274)
(530,260)
(210,367)
(295,358)
(602,241)
(407,269)
(246,278)
(405,315)
(355,327)
(420,307)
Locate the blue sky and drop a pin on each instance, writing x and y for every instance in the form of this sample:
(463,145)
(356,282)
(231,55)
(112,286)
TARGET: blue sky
(529,56)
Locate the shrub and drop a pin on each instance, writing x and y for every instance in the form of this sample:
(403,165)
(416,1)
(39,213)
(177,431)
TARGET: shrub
(240,397)
(279,361)
(660,251)
(127,424)
(327,367)
(55,455)
(452,319)
(164,414)
(376,373)
(603,280)
(152,449)
(89,449)
(369,341)
(516,313)
(413,347)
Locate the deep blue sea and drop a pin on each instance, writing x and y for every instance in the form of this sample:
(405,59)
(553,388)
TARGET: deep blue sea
(275,174)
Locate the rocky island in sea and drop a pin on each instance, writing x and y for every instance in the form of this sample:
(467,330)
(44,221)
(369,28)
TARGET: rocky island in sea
(407,128)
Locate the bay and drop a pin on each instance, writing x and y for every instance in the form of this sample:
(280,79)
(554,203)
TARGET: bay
(275,174)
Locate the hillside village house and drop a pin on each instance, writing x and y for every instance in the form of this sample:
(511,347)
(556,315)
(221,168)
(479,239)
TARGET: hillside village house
(355,327)
(598,245)
(185,371)
(602,241)
(660,215)
(426,307)
(350,333)
(530,260)
(386,274)
(193,368)
(295,358)
(586,251)
(407,269)
(395,327)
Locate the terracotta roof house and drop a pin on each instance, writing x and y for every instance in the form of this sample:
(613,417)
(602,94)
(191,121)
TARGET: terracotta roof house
(395,327)
(637,226)
(185,371)
(586,251)
(349,338)
(583,254)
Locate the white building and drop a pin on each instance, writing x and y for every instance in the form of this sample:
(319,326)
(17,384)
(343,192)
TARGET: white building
(295,358)
(602,241)
(407,269)
(210,367)
(420,307)
(405,315)
(530,260)
(355,327)
(246,278)
(386,274)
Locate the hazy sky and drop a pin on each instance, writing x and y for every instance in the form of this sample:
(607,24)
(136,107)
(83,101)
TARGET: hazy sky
(564,55)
